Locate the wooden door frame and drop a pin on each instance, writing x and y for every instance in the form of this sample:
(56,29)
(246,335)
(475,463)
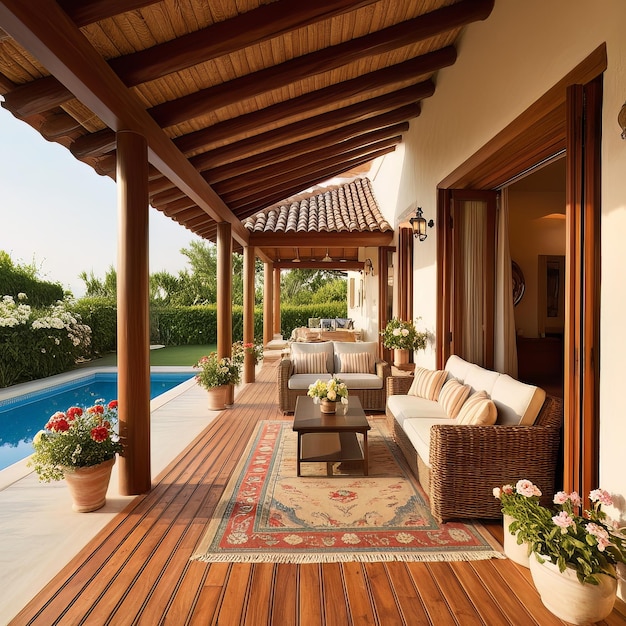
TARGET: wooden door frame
(546,128)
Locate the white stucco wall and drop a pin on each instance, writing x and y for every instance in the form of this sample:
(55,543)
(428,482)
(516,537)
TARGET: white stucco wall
(504,65)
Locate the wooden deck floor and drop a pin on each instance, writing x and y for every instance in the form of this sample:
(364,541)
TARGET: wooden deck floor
(138,570)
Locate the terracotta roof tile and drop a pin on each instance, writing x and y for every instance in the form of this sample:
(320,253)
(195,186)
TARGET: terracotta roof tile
(345,208)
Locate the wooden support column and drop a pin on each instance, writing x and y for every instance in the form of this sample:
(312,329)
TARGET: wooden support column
(133,326)
(248,311)
(276,316)
(224,290)
(268,299)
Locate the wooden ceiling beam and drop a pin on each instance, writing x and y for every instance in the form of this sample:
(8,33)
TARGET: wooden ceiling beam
(330,142)
(308,104)
(321,239)
(175,207)
(239,32)
(285,158)
(309,128)
(374,44)
(229,36)
(84,12)
(283,172)
(73,61)
(244,207)
(101,142)
(281,137)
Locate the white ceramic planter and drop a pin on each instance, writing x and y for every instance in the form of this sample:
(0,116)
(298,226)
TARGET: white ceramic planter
(565,596)
(514,551)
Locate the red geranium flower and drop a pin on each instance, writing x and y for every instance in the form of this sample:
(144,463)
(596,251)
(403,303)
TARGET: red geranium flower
(99,434)
(58,424)
(112,405)
(96,408)
(73,412)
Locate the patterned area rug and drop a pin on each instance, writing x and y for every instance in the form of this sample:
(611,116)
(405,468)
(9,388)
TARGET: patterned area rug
(268,514)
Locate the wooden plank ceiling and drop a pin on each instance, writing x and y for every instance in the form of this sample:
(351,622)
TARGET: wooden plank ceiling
(244,103)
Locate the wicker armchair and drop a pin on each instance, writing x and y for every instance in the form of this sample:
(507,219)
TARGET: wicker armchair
(467,462)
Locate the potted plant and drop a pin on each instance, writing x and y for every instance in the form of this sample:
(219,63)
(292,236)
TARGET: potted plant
(401,337)
(216,375)
(80,446)
(328,394)
(574,551)
(240,349)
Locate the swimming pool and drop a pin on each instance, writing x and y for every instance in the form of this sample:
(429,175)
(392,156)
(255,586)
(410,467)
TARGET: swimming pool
(21,417)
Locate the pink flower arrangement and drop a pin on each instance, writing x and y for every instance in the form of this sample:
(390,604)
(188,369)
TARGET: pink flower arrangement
(568,536)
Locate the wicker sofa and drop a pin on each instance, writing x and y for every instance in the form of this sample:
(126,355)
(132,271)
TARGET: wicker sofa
(459,464)
(368,384)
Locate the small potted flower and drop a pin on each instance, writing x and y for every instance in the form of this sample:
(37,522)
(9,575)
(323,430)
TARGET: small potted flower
(328,394)
(402,337)
(240,349)
(574,553)
(80,446)
(217,375)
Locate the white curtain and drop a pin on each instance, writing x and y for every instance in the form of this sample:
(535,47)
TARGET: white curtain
(505,347)
(473,242)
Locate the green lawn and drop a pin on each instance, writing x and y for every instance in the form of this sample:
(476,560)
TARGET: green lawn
(172,355)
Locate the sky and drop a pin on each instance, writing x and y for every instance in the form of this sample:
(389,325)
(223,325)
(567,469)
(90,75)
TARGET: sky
(57,213)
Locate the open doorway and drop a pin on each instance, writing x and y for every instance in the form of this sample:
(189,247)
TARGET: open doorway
(537,240)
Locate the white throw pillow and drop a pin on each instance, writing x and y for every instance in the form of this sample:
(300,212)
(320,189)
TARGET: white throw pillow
(312,363)
(356,363)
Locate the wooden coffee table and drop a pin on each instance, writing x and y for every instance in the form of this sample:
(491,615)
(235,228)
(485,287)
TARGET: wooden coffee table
(330,438)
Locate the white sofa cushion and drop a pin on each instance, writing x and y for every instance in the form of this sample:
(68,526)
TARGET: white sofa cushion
(342,347)
(517,402)
(457,367)
(361,381)
(418,432)
(308,348)
(478,378)
(452,396)
(406,407)
(302,381)
(478,410)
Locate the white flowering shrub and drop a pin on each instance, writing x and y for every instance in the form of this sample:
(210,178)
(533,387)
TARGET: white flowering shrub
(35,343)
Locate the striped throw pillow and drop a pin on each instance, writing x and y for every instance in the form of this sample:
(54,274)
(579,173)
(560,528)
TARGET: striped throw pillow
(452,396)
(478,410)
(427,383)
(309,363)
(356,362)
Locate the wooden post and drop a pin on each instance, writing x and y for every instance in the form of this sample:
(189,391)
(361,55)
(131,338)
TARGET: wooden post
(133,325)
(268,299)
(276,300)
(248,311)
(224,290)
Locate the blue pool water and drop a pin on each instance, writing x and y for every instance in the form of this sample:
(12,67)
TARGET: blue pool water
(22,417)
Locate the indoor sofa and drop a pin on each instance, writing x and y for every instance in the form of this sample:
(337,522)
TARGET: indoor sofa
(480,431)
(355,363)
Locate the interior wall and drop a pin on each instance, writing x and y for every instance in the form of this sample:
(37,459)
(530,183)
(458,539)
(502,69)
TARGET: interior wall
(498,75)
(534,229)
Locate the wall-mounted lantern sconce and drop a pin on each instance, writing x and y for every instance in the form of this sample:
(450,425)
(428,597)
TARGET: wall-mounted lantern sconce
(621,120)
(418,224)
(368,267)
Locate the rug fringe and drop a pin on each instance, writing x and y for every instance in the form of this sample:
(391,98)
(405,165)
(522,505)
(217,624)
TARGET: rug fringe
(365,557)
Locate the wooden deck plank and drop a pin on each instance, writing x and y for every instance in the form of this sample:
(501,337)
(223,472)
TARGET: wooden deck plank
(138,569)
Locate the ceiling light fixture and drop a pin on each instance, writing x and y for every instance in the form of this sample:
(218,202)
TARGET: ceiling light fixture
(297,259)
(368,267)
(327,258)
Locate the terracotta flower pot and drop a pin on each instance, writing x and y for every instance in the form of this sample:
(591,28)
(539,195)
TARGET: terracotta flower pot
(88,485)
(569,599)
(217,397)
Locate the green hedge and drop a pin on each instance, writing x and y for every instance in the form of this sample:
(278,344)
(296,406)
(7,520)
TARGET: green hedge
(14,281)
